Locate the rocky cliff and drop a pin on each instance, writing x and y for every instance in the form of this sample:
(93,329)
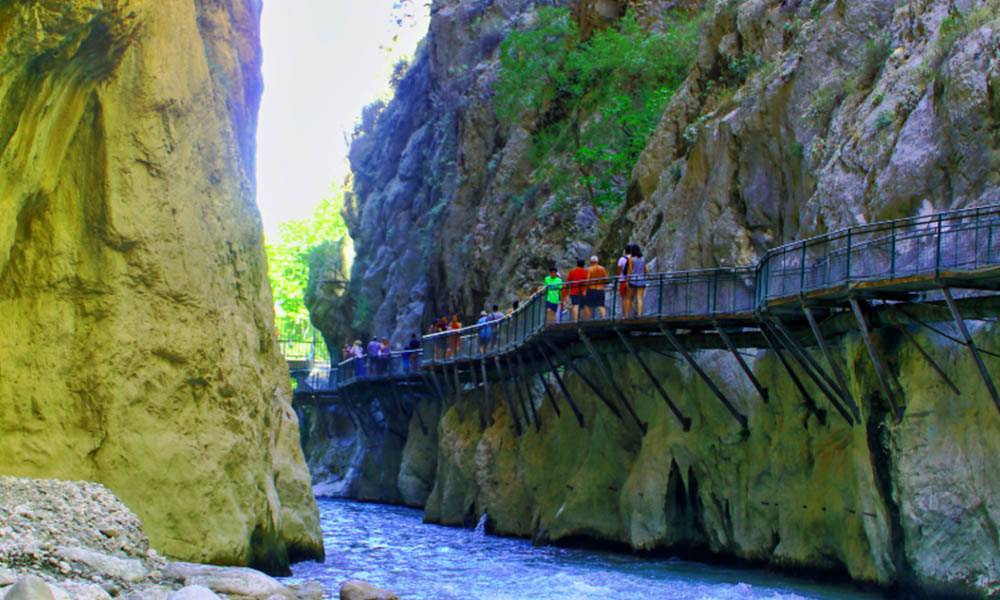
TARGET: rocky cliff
(794,119)
(137,345)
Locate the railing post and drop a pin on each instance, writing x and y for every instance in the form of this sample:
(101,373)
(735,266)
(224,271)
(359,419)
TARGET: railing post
(892,263)
(937,253)
(802,270)
(847,271)
(659,297)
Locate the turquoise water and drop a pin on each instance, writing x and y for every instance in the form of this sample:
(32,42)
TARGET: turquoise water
(390,547)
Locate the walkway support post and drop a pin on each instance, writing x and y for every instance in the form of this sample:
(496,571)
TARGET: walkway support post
(506,393)
(972,346)
(739,358)
(811,367)
(842,387)
(520,396)
(606,371)
(684,421)
(486,393)
(527,392)
(479,399)
(880,367)
(913,340)
(740,417)
(562,386)
(775,346)
(458,392)
(562,358)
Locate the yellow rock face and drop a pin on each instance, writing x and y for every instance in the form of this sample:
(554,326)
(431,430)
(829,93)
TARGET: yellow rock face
(136,330)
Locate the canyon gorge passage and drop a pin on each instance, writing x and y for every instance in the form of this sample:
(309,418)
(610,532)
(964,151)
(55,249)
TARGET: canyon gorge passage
(137,338)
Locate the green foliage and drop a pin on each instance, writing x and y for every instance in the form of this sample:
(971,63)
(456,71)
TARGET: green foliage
(883,120)
(288,262)
(595,101)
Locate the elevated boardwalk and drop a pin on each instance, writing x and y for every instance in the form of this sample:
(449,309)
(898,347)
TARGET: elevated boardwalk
(916,271)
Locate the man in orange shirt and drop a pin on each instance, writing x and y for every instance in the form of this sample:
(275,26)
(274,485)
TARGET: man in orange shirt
(595,291)
(576,290)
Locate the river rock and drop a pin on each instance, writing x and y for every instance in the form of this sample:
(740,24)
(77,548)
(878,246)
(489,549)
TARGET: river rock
(193,592)
(231,581)
(29,587)
(83,591)
(130,570)
(310,590)
(139,346)
(7,576)
(359,590)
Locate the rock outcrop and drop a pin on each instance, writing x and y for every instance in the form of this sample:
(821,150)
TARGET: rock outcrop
(137,346)
(796,118)
(75,540)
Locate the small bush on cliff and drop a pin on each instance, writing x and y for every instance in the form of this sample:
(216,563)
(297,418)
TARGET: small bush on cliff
(595,101)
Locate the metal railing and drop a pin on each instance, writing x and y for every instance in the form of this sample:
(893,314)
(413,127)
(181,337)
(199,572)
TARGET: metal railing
(394,364)
(890,252)
(709,293)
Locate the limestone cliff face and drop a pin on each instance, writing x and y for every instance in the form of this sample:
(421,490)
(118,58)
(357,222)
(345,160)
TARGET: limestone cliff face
(796,118)
(137,345)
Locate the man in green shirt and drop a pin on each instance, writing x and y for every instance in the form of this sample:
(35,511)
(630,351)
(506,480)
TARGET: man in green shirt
(553,287)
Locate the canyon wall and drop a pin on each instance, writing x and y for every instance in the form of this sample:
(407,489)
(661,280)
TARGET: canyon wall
(796,118)
(137,343)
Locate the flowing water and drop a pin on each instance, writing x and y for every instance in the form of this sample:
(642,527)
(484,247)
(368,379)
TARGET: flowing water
(392,548)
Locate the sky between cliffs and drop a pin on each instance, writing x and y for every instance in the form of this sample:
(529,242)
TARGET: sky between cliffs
(324,60)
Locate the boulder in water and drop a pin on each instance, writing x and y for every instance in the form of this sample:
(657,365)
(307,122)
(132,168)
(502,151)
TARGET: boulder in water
(31,587)
(359,590)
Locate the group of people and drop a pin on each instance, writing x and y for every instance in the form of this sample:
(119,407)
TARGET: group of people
(584,287)
(582,292)
(375,357)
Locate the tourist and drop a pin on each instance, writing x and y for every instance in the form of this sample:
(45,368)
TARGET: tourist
(485,331)
(372,350)
(412,347)
(576,290)
(384,353)
(637,279)
(358,355)
(514,306)
(454,340)
(622,283)
(553,289)
(495,317)
(440,341)
(595,290)
(345,352)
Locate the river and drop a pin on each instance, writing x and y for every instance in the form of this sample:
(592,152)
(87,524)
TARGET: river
(390,547)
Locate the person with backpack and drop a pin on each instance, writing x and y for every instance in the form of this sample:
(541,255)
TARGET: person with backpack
(636,279)
(485,331)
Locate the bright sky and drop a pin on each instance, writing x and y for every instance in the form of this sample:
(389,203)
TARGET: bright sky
(324,60)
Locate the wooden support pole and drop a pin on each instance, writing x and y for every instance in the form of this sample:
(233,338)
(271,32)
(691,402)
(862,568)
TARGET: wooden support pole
(775,346)
(813,369)
(527,392)
(927,357)
(565,361)
(520,395)
(841,386)
(739,358)
(548,393)
(506,393)
(605,370)
(684,421)
(562,386)
(880,367)
(441,392)
(972,346)
(486,393)
(740,417)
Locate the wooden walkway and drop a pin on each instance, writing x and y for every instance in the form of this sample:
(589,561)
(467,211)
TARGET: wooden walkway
(899,274)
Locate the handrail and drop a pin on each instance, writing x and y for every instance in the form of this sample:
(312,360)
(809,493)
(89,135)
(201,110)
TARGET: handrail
(884,252)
